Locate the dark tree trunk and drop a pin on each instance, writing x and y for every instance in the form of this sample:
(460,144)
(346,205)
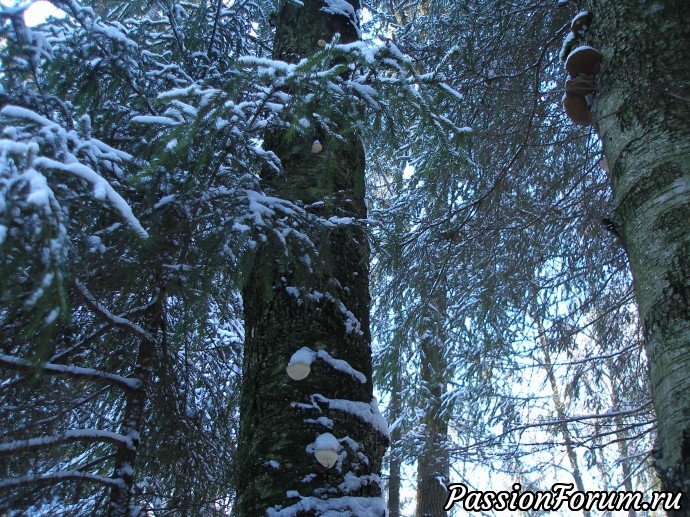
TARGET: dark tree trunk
(560,409)
(642,113)
(120,504)
(325,308)
(433,462)
(394,478)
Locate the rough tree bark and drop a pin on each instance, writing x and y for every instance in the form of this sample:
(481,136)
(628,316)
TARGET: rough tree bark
(120,503)
(433,462)
(325,308)
(395,464)
(642,113)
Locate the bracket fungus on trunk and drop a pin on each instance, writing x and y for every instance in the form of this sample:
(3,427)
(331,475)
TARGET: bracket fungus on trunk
(579,86)
(581,22)
(583,61)
(326,449)
(300,364)
(582,65)
(577,109)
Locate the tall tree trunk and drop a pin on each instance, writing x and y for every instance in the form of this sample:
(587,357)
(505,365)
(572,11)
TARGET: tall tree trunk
(642,112)
(120,504)
(394,478)
(621,436)
(560,413)
(433,463)
(324,308)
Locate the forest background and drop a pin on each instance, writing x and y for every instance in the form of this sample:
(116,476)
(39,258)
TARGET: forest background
(506,340)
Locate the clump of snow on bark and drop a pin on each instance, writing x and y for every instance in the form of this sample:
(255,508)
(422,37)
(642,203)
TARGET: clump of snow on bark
(352,324)
(342,366)
(381,423)
(308,478)
(567,43)
(368,413)
(322,420)
(292,291)
(354,483)
(334,507)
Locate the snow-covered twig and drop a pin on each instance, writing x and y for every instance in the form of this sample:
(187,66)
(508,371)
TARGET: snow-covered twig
(57,477)
(73,435)
(16,363)
(118,321)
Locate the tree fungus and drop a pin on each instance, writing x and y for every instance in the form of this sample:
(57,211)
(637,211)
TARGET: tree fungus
(326,449)
(300,364)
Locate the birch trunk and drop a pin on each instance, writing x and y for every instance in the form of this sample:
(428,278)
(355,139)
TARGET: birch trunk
(642,113)
(120,504)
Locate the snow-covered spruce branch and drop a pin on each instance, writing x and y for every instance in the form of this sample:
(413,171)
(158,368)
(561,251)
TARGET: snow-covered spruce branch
(118,321)
(100,34)
(57,477)
(76,372)
(102,190)
(73,435)
(92,336)
(547,423)
(589,441)
(321,73)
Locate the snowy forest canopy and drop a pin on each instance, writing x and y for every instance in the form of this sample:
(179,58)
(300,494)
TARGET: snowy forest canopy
(506,341)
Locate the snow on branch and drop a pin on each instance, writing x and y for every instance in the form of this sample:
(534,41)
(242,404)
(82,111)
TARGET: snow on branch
(73,435)
(16,363)
(34,43)
(101,188)
(87,18)
(64,141)
(155,120)
(118,321)
(58,477)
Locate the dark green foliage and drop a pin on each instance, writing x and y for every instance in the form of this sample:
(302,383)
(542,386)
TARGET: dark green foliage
(132,143)
(81,288)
